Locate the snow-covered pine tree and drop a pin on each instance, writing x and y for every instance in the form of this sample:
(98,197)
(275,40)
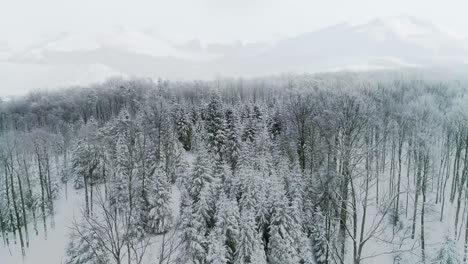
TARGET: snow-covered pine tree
(184,129)
(295,193)
(252,124)
(81,160)
(84,248)
(232,139)
(250,130)
(216,127)
(145,174)
(246,156)
(217,250)
(263,161)
(248,199)
(204,209)
(227,223)
(263,209)
(319,237)
(124,171)
(250,247)
(199,136)
(257,113)
(201,174)
(275,124)
(280,248)
(222,178)
(282,233)
(192,241)
(258,256)
(244,170)
(179,166)
(447,253)
(127,156)
(160,213)
(86,161)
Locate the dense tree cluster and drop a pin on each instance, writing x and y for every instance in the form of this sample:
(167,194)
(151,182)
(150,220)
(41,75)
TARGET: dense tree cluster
(287,169)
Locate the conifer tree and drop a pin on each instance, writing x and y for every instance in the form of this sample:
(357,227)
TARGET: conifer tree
(215,127)
(217,251)
(232,140)
(201,174)
(204,209)
(250,248)
(227,223)
(184,129)
(160,214)
(84,248)
(281,245)
(319,237)
(447,253)
(193,242)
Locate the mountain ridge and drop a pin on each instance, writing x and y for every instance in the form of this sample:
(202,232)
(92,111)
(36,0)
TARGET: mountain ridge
(381,43)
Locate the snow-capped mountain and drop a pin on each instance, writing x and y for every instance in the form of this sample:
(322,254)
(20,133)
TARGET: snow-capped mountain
(402,41)
(380,43)
(120,39)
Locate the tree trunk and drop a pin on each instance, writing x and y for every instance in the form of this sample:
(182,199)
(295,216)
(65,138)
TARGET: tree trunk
(15,206)
(23,207)
(416,195)
(456,168)
(424,183)
(465,250)
(408,175)
(43,192)
(31,206)
(397,205)
(2,229)
(447,176)
(384,148)
(461,186)
(85,181)
(443,161)
(392,169)
(344,191)
(364,209)
(377,158)
(50,191)
(7,192)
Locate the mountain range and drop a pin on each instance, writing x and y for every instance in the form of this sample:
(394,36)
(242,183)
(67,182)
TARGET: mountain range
(75,58)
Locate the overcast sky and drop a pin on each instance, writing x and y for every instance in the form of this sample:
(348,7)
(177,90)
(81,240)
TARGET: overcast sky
(23,22)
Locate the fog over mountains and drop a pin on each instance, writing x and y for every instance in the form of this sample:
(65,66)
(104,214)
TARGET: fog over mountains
(77,59)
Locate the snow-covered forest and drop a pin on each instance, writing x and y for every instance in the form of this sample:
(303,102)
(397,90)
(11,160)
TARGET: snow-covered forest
(325,168)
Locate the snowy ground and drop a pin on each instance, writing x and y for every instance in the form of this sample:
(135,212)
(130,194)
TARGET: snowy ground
(52,250)
(385,245)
